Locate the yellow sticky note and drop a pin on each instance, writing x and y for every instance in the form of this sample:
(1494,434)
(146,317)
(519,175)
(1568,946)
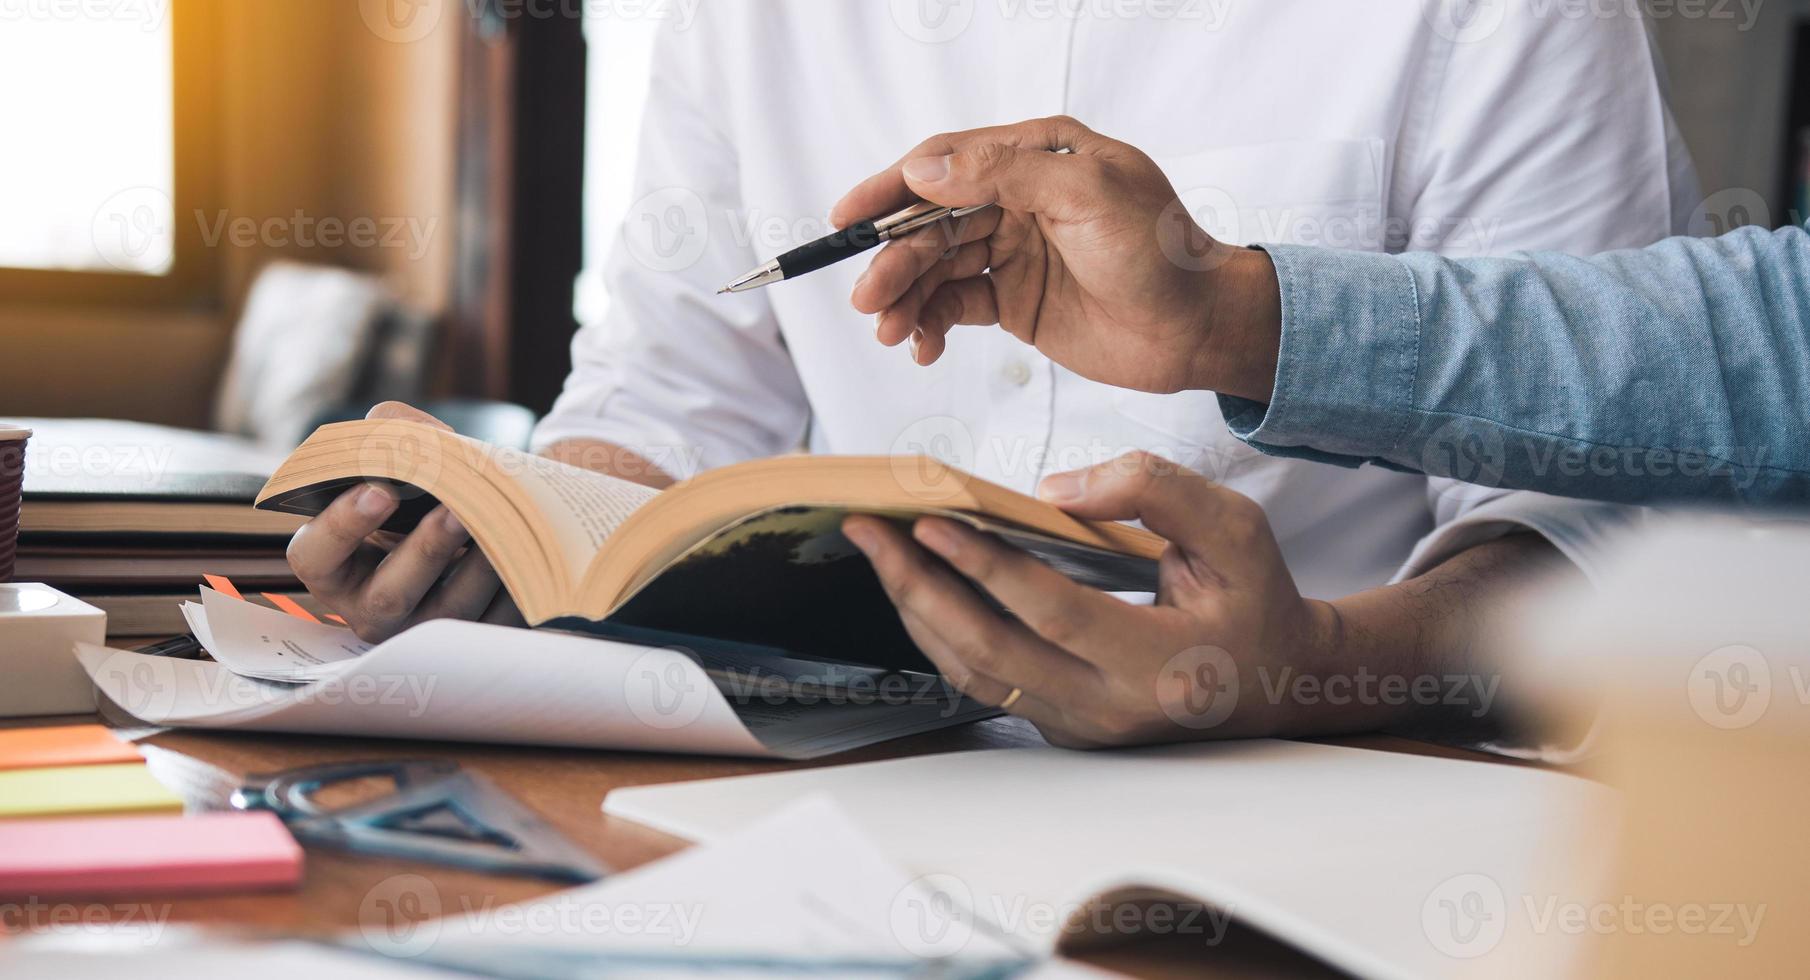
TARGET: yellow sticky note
(71,790)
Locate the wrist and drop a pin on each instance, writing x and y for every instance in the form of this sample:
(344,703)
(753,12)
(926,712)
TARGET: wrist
(1346,674)
(1241,314)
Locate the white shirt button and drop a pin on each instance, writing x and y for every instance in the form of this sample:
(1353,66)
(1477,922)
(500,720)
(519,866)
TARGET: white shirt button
(1017,373)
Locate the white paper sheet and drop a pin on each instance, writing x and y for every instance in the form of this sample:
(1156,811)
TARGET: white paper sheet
(449,679)
(1382,864)
(800,883)
(193,615)
(258,641)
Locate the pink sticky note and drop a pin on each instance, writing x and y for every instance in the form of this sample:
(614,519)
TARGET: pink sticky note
(209,852)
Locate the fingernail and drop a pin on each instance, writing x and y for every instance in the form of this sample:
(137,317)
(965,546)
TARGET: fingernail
(880,331)
(917,340)
(1063,488)
(453,525)
(937,538)
(375,501)
(927,168)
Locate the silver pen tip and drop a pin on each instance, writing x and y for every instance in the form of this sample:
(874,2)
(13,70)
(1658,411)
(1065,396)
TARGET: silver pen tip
(764,276)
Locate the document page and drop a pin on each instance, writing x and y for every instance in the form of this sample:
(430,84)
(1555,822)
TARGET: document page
(480,682)
(584,508)
(257,641)
(448,679)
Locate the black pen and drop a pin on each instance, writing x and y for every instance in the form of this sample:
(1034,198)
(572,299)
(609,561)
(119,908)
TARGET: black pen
(850,241)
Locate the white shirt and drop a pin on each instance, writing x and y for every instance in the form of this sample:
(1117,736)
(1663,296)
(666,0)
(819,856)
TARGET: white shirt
(1375,124)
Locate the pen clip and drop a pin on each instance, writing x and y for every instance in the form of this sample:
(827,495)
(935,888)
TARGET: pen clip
(919,216)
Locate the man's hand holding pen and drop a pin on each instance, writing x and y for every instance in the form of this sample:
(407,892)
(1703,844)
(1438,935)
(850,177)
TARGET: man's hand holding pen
(1075,260)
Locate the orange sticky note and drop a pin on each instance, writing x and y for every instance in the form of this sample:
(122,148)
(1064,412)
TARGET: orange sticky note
(222,585)
(290,606)
(63,745)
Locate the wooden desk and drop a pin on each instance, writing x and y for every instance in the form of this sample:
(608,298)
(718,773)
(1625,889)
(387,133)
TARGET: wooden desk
(567,788)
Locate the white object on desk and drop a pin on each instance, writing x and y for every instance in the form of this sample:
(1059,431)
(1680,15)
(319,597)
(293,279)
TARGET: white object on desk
(1379,863)
(801,883)
(265,644)
(39,628)
(463,681)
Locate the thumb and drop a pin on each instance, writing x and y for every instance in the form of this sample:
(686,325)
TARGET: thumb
(1039,181)
(1172,501)
(405,412)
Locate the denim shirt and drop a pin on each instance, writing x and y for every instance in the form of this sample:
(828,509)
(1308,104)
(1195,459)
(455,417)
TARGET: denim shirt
(1674,373)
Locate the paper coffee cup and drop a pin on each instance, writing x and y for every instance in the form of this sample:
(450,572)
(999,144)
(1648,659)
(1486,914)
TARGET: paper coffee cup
(12,491)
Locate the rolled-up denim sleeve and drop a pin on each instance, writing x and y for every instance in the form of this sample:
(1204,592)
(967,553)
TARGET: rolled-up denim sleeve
(1678,372)
(1344,390)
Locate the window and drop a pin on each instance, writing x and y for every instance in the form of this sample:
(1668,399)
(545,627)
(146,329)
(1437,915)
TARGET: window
(107,121)
(619,65)
(90,182)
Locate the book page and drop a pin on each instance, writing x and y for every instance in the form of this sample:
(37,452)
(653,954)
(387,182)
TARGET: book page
(583,507)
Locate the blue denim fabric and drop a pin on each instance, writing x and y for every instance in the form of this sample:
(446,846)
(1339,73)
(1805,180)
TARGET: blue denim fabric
(1679,372)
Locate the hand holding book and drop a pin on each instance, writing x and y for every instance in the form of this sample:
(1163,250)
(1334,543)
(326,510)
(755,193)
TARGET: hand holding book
(1091,670)
(750,554)
(1231,648)
(905,564)
(382,582)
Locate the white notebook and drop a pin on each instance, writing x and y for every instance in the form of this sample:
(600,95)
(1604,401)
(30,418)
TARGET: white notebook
(748,896)
(1378,863)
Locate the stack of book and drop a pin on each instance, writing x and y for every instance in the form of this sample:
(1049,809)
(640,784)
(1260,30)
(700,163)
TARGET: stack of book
(128,517)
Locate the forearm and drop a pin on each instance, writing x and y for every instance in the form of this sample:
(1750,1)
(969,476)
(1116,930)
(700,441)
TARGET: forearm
(1421,655)
(1681,371)
(605,457)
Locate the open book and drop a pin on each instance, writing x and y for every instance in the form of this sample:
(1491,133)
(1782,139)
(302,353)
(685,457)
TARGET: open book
(751,554)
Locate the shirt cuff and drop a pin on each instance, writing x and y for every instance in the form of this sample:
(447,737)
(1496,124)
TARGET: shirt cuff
(1578,529)
(1346,370)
